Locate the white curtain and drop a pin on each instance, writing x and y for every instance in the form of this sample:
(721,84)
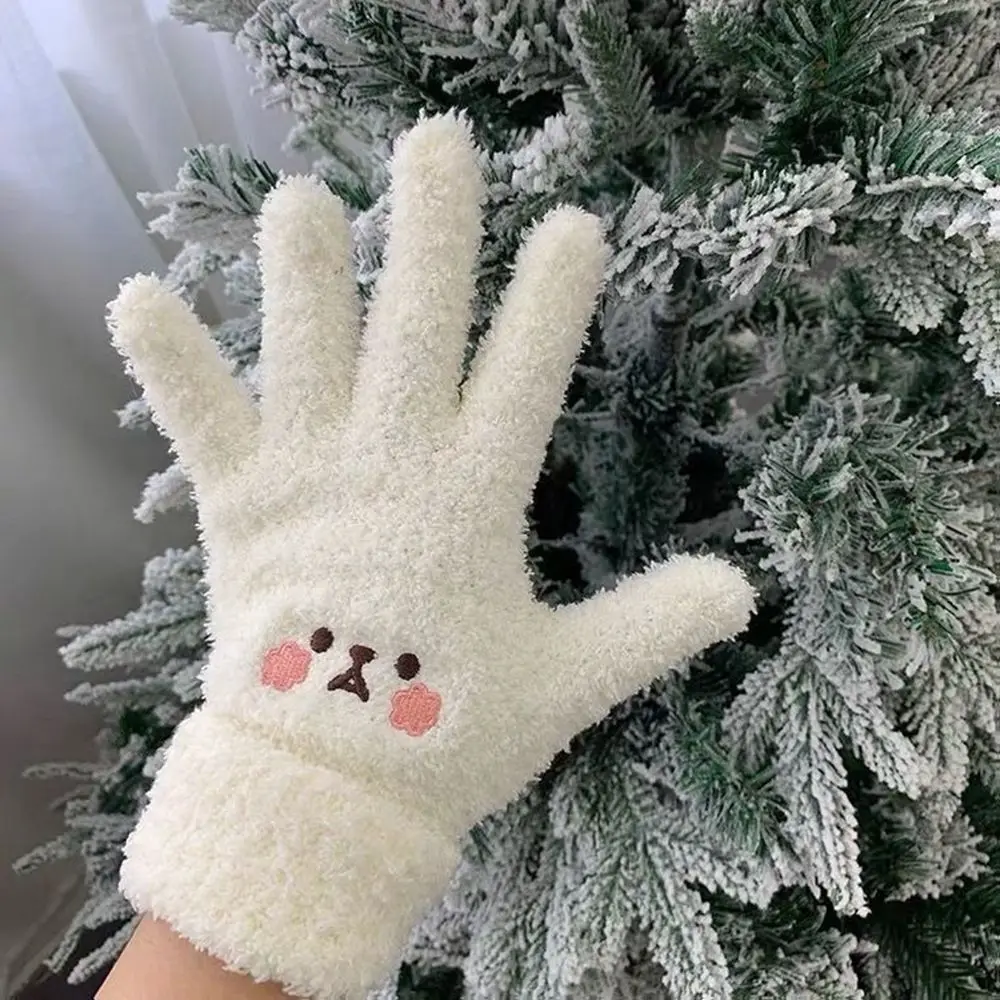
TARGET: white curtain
(98,99)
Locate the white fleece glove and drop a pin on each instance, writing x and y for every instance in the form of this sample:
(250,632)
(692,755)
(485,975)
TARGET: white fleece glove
(381,676)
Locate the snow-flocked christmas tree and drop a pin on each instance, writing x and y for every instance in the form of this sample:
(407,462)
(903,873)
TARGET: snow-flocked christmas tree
(796,364)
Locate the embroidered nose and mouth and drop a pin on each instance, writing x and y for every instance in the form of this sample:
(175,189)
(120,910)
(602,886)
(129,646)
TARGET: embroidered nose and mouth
(353,679)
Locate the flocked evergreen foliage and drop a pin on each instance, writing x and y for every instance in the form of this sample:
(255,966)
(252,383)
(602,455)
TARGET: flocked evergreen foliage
(795,365)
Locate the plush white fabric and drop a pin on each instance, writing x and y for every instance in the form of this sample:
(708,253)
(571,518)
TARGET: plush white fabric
(296,833)
(288,869)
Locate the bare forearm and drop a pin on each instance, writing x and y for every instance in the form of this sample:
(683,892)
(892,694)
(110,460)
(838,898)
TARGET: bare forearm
(158,964)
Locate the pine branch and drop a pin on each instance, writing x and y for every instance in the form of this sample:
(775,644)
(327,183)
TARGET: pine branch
(618,82)
(292,68)
(765,228)
(219,15)
(872,545)
(957,66)
(215,202)
(928,965)
(814,56)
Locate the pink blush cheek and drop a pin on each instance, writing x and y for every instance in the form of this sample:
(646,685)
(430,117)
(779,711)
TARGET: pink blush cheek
(285,666)
(415,710)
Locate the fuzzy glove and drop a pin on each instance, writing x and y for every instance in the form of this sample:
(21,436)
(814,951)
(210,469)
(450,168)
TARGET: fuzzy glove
(381,676)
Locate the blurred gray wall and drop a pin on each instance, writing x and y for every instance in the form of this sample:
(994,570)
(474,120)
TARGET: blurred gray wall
(70,551)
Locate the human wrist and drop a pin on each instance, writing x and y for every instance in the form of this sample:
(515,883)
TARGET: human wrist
(160,964)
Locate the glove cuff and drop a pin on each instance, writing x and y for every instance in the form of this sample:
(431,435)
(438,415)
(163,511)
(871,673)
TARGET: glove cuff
(282,869)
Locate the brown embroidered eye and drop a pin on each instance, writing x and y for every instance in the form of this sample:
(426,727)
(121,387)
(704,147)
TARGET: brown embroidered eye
(321,640)
(407,666)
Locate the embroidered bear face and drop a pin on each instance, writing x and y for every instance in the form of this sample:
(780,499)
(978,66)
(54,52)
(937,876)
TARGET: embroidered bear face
(414,709)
